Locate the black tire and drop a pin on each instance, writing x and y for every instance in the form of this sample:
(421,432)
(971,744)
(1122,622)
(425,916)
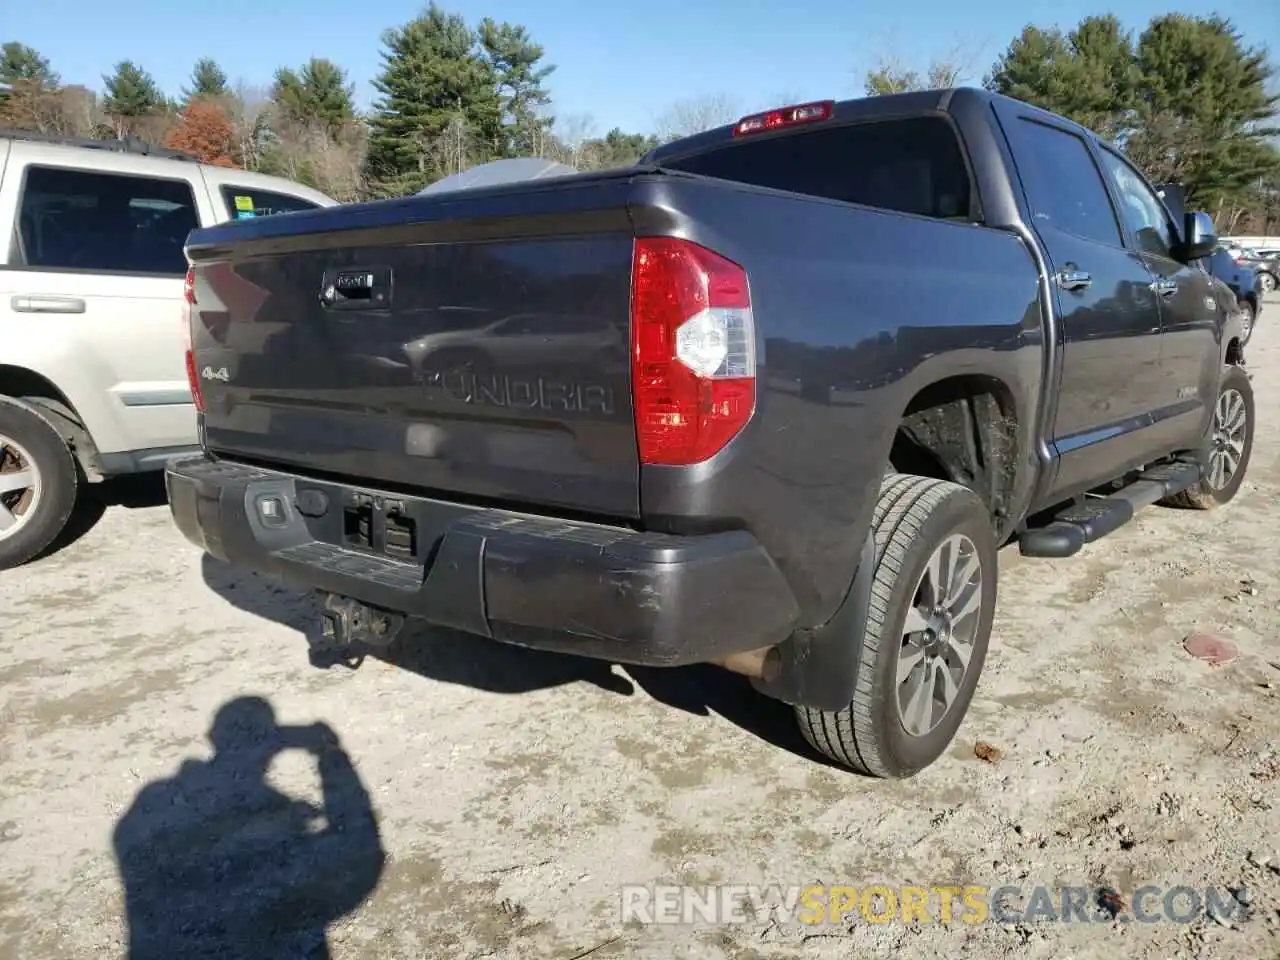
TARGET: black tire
(1208,495)
(59,480)
(913,517)
(1267,281)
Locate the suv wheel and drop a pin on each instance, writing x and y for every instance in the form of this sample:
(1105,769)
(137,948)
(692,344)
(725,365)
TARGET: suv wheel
(1227,446)
(38,481)
(925,640)
(1266,281)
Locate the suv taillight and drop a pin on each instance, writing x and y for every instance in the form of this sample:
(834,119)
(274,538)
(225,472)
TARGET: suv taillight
(188,318)
(693,350)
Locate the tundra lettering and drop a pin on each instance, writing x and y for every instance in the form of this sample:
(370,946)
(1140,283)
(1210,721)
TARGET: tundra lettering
(497,390)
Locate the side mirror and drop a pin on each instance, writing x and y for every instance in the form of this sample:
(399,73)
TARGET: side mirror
(1201,235)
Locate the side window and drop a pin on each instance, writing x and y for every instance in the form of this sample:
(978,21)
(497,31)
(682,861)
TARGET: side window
(1140,208)
(104,222)
(245,203)
(1064,187)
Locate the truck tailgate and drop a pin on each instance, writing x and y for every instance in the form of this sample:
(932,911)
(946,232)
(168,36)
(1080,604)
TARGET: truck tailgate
(474,345)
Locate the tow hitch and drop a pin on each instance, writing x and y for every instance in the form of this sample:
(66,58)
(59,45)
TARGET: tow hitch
(350,629)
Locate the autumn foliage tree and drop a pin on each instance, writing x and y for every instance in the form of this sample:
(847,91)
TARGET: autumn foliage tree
(205,132)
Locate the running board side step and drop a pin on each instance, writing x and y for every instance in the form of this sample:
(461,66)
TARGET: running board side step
(1095,517)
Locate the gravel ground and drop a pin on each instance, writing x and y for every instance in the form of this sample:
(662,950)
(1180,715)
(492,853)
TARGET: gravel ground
(163,733)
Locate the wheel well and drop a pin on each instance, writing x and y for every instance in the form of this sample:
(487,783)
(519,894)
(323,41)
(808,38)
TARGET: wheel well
(23,384)
(962,429)
(19,382)
(1233,351)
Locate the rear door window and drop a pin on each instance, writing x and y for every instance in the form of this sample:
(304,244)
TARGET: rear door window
(911,165)
(103,222)
(1063,186)
(245,203)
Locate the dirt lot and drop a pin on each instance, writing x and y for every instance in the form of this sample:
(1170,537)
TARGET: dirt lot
(494,801)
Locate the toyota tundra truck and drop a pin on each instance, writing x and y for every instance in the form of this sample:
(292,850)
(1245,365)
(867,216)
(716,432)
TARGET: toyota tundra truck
(771,399)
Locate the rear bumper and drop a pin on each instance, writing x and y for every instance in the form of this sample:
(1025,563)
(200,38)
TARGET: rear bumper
(580,588)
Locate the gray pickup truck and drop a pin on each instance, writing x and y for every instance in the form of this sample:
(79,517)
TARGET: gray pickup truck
(772,400)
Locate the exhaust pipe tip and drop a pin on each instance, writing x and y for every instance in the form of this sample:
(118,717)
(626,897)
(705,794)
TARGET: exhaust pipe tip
(762,664)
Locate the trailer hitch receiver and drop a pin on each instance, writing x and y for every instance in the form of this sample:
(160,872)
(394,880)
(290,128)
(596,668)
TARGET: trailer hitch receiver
(350,629)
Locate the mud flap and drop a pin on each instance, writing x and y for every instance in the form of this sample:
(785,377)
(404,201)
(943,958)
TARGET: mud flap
(820,666)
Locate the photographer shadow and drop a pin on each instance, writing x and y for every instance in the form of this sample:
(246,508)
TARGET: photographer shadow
(451,657)
(217,863)
(428,651)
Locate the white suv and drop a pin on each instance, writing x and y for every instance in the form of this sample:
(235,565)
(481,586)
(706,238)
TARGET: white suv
(92,377)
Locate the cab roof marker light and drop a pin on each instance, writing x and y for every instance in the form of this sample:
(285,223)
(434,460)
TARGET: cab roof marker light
(784,117)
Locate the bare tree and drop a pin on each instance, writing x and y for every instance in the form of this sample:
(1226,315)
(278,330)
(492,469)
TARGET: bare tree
(574,135)
(249,109)
(454,149)
(153,127)
(337,161)
(695,115)
(542,140)
(319,155)
(82,114)
(951,68)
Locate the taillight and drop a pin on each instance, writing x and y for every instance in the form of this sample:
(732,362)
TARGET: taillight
(188,318)
(784,117)
(693,350)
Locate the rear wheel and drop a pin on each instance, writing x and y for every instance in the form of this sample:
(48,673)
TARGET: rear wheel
(925,639)
(1227,446)
(1266,281)
(38,481)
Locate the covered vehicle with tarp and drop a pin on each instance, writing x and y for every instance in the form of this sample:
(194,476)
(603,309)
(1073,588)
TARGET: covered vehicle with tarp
(514,170)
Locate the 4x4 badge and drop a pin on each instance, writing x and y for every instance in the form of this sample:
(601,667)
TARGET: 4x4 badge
(208,373)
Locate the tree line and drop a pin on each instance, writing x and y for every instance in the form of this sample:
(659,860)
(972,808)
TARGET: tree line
(1188,98)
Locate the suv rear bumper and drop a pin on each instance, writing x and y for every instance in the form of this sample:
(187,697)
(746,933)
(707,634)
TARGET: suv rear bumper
(582,588)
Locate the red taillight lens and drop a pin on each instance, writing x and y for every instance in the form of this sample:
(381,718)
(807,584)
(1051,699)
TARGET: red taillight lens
(693,350)
(188,318)
(784,117)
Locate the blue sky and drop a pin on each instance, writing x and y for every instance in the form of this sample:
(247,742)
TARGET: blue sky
(619,62)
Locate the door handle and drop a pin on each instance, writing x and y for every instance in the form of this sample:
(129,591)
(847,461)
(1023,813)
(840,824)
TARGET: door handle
(47,305)
(1165,288)
(1073,279)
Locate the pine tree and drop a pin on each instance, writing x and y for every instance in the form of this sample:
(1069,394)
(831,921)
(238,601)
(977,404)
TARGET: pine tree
(618,149)
(130,92)
(1204,107)
(24,74)
(1189,102)
(207,80)
(439,106)
(516,62)
(1087,75)
(316,95)
(20,62)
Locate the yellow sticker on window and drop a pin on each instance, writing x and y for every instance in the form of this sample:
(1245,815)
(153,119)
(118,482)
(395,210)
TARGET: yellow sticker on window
(244,204)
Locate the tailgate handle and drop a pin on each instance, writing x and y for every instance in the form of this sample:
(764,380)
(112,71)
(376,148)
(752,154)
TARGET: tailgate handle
(356,288)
